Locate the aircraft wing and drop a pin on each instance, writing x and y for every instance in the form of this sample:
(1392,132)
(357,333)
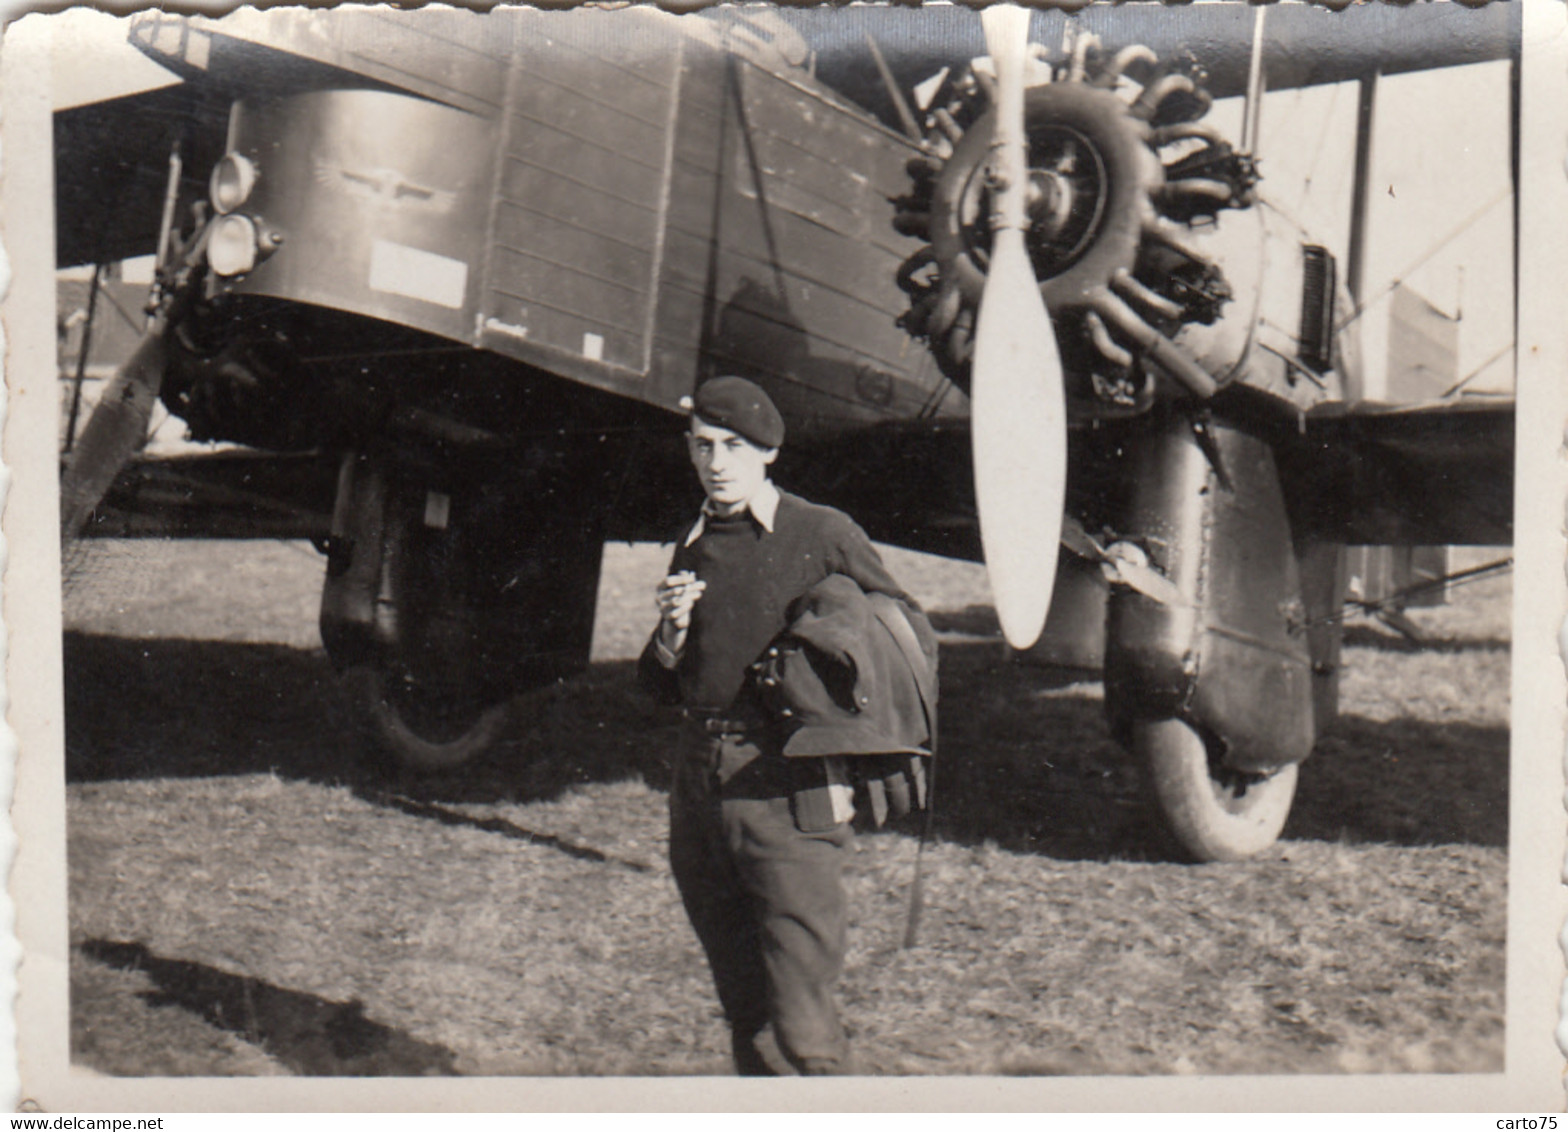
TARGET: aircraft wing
(1431,474)
(232,494)
(1368,474)
(1304,44)
(112,168)
(1309,45)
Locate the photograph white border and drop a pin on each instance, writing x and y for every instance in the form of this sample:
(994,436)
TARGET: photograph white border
(1532,1080)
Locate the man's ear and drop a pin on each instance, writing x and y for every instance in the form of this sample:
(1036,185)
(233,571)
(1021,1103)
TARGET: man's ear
(770,455)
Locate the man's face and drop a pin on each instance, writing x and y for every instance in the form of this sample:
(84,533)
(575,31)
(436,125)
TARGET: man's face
(732,469)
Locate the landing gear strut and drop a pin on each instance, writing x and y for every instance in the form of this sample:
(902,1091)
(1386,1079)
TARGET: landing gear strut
(1214,693)
(446,597)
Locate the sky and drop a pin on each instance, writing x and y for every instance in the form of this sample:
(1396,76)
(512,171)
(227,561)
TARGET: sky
(1440,157)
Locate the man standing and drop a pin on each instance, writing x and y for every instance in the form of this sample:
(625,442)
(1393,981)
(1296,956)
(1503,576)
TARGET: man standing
(757,840)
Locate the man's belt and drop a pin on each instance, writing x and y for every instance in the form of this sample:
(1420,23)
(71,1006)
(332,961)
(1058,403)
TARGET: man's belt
(719,723)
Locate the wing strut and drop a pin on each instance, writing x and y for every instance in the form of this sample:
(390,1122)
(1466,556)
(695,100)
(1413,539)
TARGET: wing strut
(1253,111)
(82,354)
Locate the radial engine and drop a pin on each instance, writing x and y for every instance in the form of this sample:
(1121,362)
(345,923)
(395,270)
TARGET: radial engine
(1125,176)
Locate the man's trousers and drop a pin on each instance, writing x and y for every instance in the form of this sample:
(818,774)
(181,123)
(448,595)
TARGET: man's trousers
(766,898)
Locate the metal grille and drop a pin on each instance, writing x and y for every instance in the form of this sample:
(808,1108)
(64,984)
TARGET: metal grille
(1317,308)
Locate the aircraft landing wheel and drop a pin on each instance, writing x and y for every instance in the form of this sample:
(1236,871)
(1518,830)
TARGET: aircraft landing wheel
(422,731)
(1214,814)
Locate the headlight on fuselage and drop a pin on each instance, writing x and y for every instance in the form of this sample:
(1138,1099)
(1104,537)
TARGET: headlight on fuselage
(231,244)
(233,177)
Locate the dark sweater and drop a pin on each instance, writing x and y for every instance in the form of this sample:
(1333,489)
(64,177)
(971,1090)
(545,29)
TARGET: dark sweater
(752,577)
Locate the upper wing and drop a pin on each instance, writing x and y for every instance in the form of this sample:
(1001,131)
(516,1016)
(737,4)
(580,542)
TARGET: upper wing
(1309,45)
(1304,44)
(1432,474)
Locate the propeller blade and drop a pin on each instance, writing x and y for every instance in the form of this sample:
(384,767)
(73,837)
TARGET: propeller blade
(115,431)
(1018,413)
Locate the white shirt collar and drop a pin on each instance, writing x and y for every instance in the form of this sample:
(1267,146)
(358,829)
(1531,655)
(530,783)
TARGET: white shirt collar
(764,507)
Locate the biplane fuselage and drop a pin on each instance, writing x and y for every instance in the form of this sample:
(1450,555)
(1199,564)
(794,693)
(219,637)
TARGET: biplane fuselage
(474,267)
(629,209)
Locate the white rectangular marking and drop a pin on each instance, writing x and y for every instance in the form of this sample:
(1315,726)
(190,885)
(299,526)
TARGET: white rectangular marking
(508,328)
(593,347)
(398,269)
(438,510)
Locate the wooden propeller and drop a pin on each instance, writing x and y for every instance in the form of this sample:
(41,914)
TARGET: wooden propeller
(1018,415)
(114,432)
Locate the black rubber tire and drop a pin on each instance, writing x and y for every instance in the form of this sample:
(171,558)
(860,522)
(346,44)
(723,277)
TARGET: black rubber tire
(1209,820)
(385,729)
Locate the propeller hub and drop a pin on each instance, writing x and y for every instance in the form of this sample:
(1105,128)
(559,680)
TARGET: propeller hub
(1049,204)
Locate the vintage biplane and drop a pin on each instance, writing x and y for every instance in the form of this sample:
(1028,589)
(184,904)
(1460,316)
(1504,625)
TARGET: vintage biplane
(448,277)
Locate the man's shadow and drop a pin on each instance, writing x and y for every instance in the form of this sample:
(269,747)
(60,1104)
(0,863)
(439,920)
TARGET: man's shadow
(312,1036)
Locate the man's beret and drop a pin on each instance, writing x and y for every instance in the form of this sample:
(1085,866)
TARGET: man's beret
(741,406)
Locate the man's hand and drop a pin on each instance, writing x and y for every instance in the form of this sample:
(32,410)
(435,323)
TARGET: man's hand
(675,597)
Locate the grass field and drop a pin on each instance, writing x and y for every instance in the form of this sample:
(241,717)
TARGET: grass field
(247,899)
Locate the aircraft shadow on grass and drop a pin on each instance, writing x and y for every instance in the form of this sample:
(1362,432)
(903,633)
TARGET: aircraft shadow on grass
(312,1036)
(1027,761)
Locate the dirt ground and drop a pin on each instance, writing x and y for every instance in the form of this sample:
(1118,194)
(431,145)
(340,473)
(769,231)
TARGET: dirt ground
(248,898)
